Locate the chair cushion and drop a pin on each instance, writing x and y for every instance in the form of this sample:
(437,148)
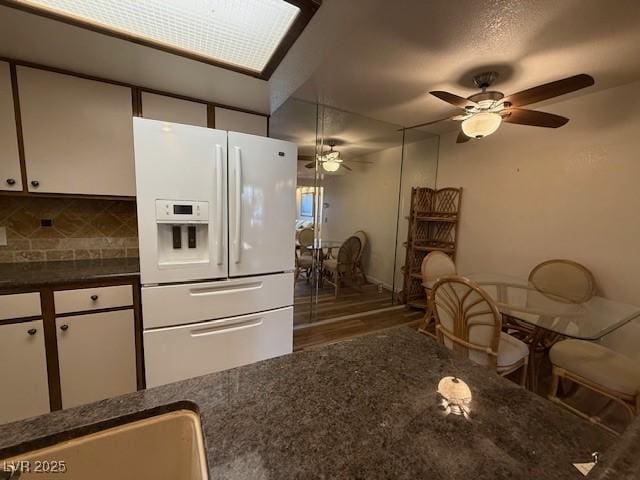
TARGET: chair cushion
(305,261)
(598,364)
(510,350)
(331,264)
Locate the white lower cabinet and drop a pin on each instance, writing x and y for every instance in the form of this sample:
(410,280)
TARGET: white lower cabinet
(97,356)
(24,388)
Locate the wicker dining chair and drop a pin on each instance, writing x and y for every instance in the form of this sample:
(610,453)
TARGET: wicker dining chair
(468,322)
(563,280)
(362,236)
(434,266)
(342,268)
(304,256)
(599,369)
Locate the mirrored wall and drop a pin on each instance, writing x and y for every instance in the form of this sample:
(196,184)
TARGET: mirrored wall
(355,176)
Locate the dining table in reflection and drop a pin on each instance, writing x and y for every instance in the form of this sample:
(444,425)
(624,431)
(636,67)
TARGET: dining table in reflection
(550,316)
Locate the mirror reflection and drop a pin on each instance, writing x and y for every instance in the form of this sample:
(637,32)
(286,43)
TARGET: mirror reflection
(353,197)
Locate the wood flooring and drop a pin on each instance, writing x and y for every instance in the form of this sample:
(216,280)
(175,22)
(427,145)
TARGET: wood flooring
(326,306)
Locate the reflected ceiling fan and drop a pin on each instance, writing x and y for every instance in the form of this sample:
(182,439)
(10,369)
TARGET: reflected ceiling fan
(330,159)
(485,111)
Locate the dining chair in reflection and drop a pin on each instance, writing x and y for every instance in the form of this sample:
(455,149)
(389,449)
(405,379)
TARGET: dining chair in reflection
(434,266)
(468,322)
(362,236)
(599,369)
(336,271)
(304,255)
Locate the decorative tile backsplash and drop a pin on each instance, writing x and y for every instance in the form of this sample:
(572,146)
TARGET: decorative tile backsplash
(44,229)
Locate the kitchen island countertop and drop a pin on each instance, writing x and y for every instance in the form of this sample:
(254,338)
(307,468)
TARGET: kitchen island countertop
(362,408)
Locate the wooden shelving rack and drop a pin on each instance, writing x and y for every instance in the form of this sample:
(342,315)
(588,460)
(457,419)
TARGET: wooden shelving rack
(433,226)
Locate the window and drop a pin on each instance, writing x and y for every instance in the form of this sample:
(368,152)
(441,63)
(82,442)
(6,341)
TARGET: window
(306,205)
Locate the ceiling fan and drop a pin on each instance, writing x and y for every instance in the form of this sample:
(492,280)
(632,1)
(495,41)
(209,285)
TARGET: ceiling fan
(330,160)
(485,111)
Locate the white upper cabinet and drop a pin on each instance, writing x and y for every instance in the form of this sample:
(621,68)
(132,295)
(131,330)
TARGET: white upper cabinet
(78,134)
(169,109)
(9,159)
(242,122)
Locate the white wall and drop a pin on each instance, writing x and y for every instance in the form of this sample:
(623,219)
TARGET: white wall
(531,194)
(367,199)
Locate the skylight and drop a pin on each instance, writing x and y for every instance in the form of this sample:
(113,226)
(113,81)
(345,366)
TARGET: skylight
(240,33)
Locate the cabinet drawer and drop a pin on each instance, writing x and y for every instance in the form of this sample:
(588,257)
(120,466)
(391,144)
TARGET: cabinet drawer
(169,305)
(84,299)
(186,351)
(20,305)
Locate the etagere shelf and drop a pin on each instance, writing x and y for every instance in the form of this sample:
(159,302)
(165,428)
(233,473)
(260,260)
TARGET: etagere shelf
(433,226)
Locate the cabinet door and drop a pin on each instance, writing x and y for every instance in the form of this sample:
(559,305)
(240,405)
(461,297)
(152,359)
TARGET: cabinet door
(242,122)
(78,134)
(96,353)
(169,109)
(23,371)
(10,178)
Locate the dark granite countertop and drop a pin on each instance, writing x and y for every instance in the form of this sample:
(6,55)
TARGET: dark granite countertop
(38,274)
(363,408)
(623,460)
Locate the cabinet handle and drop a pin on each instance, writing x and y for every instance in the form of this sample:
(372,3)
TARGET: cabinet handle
(32,331)
(35,183)
(11,181)
(64,327)
(94,297)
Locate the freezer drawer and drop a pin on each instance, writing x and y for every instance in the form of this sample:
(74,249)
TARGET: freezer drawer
(176,353)
(169,305)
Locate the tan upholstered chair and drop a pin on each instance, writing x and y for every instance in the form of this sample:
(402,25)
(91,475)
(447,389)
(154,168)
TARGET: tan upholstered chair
(338,270)
(598,369)
(468,322)
(434,266)
(304,255)
(564,278)
(362,236)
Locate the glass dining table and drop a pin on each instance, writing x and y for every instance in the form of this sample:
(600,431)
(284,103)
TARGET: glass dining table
(549,315)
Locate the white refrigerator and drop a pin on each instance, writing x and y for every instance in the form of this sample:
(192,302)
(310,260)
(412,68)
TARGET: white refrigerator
(216,223)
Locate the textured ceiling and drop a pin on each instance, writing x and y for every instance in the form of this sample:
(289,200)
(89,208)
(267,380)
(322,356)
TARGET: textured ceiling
(393,53)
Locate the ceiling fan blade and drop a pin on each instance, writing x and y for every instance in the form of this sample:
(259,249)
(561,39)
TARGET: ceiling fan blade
(347,167)
(534,118)
(462,138)
(424,124)
(355,160)
(550,90)
(454,100)
(310,165)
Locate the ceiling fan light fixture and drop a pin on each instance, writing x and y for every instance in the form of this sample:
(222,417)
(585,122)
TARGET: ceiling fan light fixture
(481,124)
(331,165)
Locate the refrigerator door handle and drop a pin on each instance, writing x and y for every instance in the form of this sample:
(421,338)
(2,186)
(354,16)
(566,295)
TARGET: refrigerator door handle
(238,205)
(226,328)
(219,175)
